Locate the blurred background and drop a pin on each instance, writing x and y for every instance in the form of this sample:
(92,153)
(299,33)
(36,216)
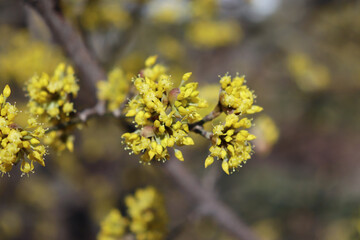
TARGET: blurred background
(300,57)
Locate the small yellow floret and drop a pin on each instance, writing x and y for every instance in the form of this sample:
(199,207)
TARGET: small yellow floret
(7,91)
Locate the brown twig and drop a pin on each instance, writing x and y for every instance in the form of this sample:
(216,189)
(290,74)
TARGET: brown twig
(222,214)
(69,40)
(200,130)
(82,117)
(97,110)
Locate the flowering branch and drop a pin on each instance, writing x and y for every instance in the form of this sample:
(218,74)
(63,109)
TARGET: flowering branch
(96,111)
(89,71)
(73,45)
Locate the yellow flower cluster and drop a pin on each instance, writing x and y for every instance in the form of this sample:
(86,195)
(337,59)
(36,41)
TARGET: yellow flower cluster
(161,113)
(309,75)
(230,141)
(235,97)
(213,33)
(113,227)
(267,132)
(230,144)
(18,144)
(147,218)
(206,30)
(50,98)
(147,213)
(114,90)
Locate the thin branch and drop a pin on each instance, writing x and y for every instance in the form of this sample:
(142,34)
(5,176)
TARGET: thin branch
(69,40)
(176,230)
(223,215)
(210,178)
(97,110)
(82,117)
(214,114)
(200,130)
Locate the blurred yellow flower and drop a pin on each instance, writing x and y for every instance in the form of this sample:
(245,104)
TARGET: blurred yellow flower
(98,15)
(114,90)
(22,56)
(148,217)
(267,133)
(308,75)
(113,226)
(213,33)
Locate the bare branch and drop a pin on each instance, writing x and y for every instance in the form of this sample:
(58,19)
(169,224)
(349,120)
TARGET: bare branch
(214,114)
(97,110)
(69,40)
(82,117)
(210,178)
(200,130)
(223,215)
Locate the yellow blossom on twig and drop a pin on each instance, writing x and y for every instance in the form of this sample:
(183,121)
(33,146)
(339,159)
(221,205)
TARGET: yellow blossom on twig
(18,145)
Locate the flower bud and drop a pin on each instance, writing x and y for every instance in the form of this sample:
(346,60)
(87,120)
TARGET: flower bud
(7,91)
(173,95)
(208,161)
(225,167)
(147,131)
(178,155)
(150,61)
(186,76)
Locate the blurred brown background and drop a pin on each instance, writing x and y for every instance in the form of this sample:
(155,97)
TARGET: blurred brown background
(300,57)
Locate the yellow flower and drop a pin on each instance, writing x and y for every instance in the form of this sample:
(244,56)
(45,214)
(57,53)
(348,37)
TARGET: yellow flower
(51,94)
(7,91)
(231,143)
(98,14)
(308,75)
(113,226)
(18,144)
(148,217)
(213,33)
(114,89)
(50,99)
(161,113)
(235,97)
(267,132)
(178,155)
